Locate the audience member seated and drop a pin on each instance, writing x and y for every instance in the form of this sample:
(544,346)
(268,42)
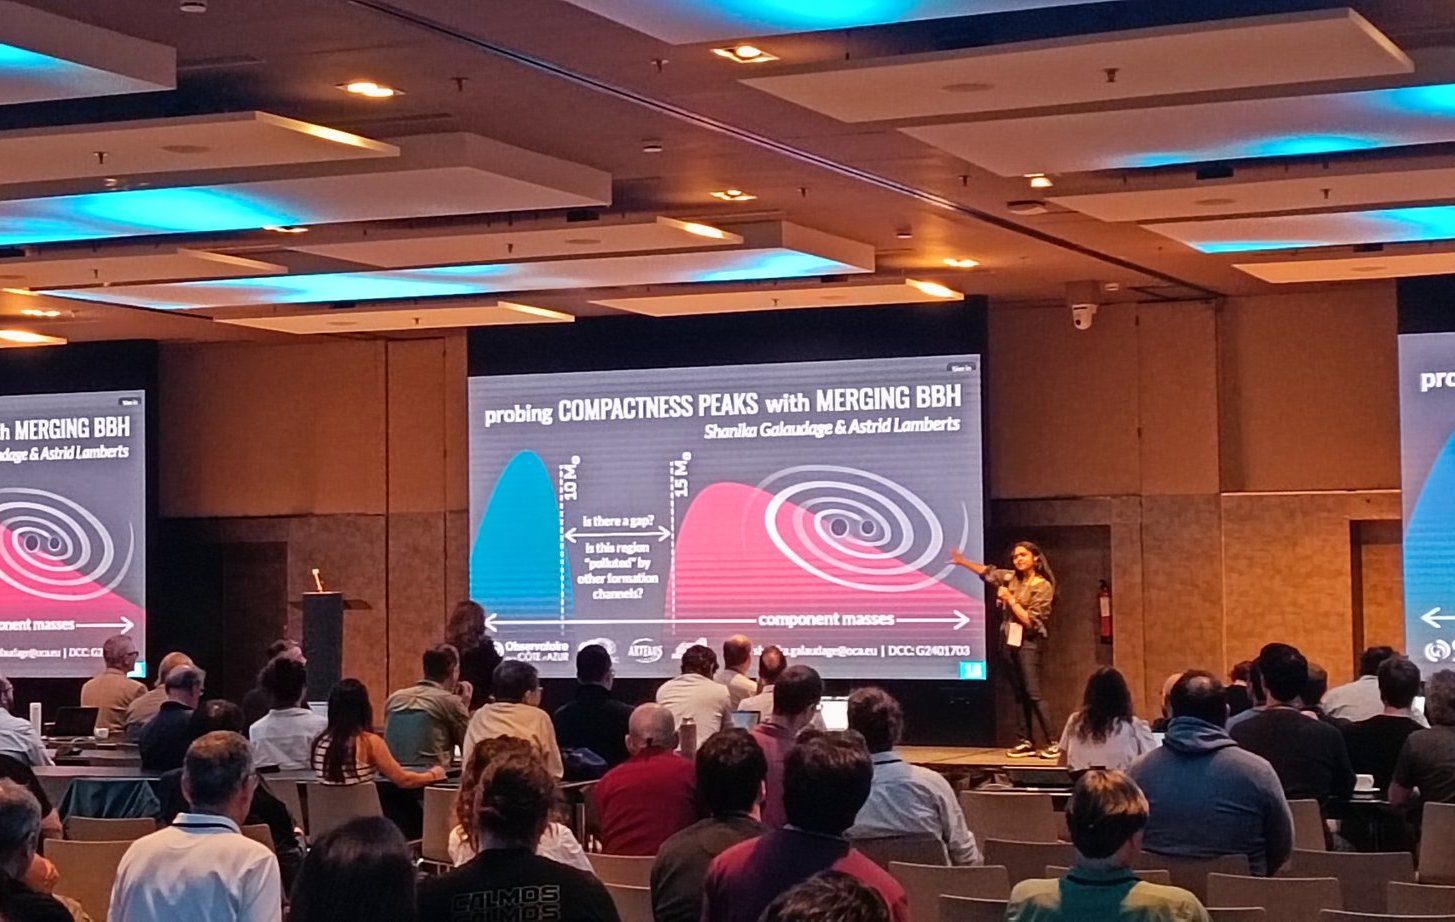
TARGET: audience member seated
(771,663)
(1311,700)
(557,843)
(1240,698)
(905,799)
(1106,815)
(594,720)
(516,711)
(164,740)
(284,736)
(140,712)
(1160,724)
(202,868)
(348,751)
(795,702)
(730,774)
(1427,762)
(256,702)
(1209,797)
(466,632)
(737,656)
(1374,743)
(516,797)
(360,872)
(826,780)
(426,721)
(1256,686)
(829,896)
(18,736)
(694,694)
(12,769)
(20,818)
(1105,733)
(1360,699)
(651,795)
(112,692)
(1308,755)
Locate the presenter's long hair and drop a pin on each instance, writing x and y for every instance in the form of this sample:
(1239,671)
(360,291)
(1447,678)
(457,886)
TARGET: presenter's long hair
(1043,565)
(466,628)
(349,714)
(1106,702)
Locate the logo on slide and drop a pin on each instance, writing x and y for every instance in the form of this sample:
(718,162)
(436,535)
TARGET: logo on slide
(606,642)
(1437,651)
(52,547)
(646,650)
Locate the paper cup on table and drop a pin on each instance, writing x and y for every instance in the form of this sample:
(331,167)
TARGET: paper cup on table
(35,716)
(1364,783)
(103,732)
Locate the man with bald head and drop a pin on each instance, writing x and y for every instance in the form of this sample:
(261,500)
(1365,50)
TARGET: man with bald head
(140,712)
(651,795)
(737,655)
(1209,796)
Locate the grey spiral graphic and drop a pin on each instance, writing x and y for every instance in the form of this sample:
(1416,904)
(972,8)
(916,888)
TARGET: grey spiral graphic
(854,526)
(55,548)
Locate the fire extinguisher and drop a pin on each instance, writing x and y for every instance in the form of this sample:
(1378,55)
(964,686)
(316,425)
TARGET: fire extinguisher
(1103,601)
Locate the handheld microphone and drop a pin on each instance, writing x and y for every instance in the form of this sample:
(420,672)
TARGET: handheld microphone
(316,581)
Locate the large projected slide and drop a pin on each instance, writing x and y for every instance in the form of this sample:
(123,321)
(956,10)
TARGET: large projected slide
(72,529)
(812,505)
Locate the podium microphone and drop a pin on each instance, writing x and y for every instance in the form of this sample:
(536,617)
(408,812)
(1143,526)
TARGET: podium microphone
(316,581)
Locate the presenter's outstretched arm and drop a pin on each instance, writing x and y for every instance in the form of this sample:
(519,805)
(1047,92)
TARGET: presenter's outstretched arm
(961,560)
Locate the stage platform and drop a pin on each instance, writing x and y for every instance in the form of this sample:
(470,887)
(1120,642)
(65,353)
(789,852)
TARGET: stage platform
(948,757)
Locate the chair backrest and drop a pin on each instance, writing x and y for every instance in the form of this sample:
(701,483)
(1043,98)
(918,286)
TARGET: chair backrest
(439,819)
(1025,860)
(259,832)
(1191,873)
(633,904)
(1283,897)
(1414,899)
(1363,876)
(1308,825)
(914,849)
(1437,844)
(287,792)
(91,829)
(332,805)
(970,909)
(1147,875)
(87,871)
(623,870)
(1334,915)
(1237,914)
(924,884)
(1013,816)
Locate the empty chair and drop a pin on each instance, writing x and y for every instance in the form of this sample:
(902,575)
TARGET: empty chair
(90,829)
(87,871)
(1437,844)
(1334,915)
(1025,860)
(260,833)
(1191,873)
(332,805)
(287,792)
(1308,825)
(924,885)
(633,904)
(1417,899)
(1147,875)
(1237,914)
(1015,817)
(1363,876)
(1287,899)
(439,819)
(624,870)
(915,849)
(970,909)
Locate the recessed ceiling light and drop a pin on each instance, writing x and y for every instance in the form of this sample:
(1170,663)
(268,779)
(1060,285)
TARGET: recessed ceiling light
(744,53)
(1039,180)
(968,87)
(38,312)
(961,263)
(281,229)
(905,233)
(651,147)
(733,195)
(933,289)
(14,338)
(370,89)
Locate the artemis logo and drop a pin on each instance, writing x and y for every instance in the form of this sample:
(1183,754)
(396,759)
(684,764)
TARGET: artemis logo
(1437,651)
(606,642)
(645,650)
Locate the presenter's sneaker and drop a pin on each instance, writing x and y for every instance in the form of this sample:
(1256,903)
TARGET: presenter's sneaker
(1052,751)
(1021,750)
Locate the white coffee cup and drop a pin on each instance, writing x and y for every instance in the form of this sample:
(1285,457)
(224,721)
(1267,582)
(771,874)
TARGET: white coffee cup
(103,732)
(1364,783)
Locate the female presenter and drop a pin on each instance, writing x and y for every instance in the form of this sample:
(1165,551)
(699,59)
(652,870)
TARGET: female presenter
(1024,595)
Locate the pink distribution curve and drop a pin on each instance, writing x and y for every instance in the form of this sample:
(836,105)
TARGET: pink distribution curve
(15,603)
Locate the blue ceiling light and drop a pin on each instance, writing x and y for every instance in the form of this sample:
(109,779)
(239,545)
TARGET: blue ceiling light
(780,265)
(46,57)
(1436,99)
(1254,246)
(137,212)
(1299,231)
(1301,145)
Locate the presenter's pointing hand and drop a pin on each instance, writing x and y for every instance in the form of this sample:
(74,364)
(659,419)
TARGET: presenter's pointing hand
(957,557)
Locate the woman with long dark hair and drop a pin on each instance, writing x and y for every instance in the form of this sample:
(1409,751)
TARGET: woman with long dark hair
(1105,733)
(465,631)
(348,751)
(357,872)
(1024,594)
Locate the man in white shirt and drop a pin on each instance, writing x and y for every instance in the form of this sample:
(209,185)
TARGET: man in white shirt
(516,711)
(694,694)
(284,736)
(1360,699)
(904,799)
(202,868)
(18,737)
(737,653)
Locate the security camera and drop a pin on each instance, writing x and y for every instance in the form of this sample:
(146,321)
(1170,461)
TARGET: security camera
(1083,298)
(1082,315)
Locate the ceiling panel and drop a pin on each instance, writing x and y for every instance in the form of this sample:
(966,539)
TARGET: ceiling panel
(1289,232)
(388,320)
(199,142)
(683,22)
(46,57)
(435,175)
(120,265)
(777,298)
(1165,135)
(1233,54)
(1354,268)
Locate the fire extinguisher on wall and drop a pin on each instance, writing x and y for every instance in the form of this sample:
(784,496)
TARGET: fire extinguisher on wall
(1103,601)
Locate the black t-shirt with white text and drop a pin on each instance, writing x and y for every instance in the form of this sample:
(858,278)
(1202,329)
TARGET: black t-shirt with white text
(514,885)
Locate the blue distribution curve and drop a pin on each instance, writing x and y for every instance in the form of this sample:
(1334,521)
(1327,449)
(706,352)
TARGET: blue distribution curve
(518,568)
(1429,551)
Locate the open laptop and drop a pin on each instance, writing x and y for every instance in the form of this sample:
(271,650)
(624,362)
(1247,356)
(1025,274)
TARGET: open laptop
(835,712)
(75,721)
(746,720)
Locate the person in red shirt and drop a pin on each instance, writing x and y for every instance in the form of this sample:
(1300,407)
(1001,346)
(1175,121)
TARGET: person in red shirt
(651,795)
(826,779)
(796,695)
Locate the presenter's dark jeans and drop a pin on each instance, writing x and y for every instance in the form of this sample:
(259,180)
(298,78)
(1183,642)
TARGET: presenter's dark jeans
(1025,681)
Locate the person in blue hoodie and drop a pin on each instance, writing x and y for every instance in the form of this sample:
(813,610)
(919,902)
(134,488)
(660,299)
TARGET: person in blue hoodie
(1209,797)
